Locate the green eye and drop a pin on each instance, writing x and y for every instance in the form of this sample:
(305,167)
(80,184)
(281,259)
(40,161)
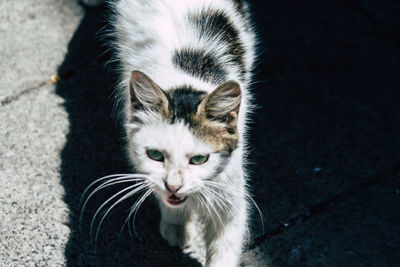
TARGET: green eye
(198,159)
(155,155)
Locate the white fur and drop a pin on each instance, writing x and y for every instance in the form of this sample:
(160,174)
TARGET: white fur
(148,32)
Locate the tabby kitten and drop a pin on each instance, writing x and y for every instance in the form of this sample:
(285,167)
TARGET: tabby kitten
(185,71)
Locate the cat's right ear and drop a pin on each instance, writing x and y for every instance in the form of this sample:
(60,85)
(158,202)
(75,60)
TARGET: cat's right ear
(146,94)
(223,103)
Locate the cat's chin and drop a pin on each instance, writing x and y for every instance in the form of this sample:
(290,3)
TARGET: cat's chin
(175,201)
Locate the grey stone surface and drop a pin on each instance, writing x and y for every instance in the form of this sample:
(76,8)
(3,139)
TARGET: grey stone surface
(34,37)
(325,140)
(33,216)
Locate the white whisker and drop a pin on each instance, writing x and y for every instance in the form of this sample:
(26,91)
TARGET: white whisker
(259,211)
(232,191)
(136,209)
(223,187)
(130,213)
(116,203)
(204,206)
(218,199)
(104,185)
(208,205)
(126,175)
(140,186)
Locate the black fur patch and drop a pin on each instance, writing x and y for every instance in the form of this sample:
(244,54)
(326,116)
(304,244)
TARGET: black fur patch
(201,64)
(216,23)
(183,103)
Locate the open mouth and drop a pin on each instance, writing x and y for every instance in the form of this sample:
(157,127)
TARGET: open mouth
(173,200)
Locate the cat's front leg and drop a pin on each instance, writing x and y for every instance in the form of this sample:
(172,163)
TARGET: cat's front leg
(172,226)
(172,233)
(225,250)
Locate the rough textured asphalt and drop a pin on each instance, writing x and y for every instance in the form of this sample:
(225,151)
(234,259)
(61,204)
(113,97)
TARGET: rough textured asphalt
(325,165)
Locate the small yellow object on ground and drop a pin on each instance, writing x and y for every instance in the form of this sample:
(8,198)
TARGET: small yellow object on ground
(54,78)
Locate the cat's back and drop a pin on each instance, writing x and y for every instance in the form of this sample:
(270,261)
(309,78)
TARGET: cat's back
(196,42)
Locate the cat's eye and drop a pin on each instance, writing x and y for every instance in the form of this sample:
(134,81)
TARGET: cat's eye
(198,159)
(154,154)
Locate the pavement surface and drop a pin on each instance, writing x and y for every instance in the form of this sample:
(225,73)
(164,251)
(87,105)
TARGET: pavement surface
(325,139)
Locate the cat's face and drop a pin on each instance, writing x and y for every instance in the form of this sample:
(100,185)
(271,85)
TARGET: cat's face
(178,162)
(181,138)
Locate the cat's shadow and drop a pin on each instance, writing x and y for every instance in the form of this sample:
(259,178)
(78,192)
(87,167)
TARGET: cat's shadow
(94,148)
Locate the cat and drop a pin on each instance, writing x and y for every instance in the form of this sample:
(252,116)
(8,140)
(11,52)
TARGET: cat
(186,68)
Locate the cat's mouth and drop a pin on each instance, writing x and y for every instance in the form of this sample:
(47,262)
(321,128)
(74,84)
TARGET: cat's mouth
(174,200)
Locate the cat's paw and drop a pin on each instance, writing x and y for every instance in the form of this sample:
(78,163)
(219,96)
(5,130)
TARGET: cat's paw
(92,2)
(172,233)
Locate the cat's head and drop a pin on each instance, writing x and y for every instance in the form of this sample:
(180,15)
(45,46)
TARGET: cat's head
(181,137)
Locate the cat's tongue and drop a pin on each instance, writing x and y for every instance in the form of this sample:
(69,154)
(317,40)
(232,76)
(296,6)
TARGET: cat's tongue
(175,201)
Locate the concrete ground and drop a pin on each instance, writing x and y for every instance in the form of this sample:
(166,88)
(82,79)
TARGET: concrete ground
(325,138)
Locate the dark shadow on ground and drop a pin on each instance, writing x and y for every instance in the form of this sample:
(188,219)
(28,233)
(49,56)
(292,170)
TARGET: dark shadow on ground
(327,135)
(94,149)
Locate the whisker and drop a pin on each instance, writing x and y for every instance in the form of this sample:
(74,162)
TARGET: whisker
(137,209)
(230,190)
(108,200)
(126,175)
(259,212)
(206,199)
(104,185)
(223,187)
(220,201)
(116,203)
(217,195)
(127,218)
(109,183)
(199,198)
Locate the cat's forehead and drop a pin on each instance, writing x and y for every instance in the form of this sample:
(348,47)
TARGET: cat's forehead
(181,117)
(183,103)
(172,137)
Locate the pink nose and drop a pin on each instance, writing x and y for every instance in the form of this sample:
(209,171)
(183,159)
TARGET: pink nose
(172,188)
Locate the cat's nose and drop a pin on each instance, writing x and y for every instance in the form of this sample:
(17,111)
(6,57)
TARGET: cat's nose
(172,188)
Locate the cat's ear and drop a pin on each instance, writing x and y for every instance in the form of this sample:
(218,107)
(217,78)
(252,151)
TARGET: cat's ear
(223,103)
(145,93)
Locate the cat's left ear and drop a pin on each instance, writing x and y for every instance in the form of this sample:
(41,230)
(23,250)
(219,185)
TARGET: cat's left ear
(146,94)
(223,103)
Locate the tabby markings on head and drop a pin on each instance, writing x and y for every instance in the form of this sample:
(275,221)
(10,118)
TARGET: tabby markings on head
(183,103)
(189,105)
(212,117)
